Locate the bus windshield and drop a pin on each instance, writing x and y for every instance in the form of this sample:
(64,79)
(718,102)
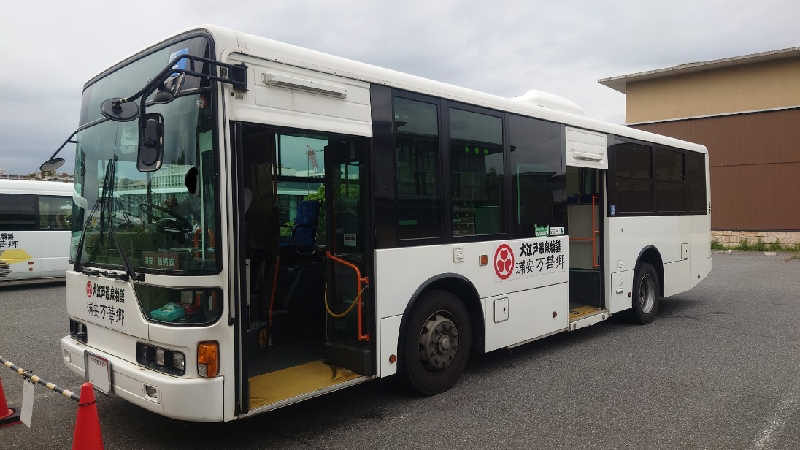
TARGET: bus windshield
(162,221)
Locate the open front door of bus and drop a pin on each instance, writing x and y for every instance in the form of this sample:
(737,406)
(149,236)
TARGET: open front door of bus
(349,309)
(306,314)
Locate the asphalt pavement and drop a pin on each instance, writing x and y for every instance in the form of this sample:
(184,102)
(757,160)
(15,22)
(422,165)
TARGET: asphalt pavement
(719,368)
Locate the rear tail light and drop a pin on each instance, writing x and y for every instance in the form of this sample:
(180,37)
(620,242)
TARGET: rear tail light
(208,359)
(161,359)
(78,331)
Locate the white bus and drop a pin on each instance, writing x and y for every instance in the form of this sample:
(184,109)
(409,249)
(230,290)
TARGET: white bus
(35,223)
(264,224)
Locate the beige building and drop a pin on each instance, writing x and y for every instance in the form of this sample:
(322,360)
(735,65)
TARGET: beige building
(746,110)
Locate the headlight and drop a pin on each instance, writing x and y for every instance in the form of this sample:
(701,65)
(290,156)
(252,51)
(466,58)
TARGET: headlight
(78,331)
(179,362)
(160,359)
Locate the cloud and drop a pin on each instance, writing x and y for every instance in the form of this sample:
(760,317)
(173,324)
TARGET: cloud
(503,47)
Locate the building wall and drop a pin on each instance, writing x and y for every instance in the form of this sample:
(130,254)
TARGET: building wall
(772,84)
(755,167)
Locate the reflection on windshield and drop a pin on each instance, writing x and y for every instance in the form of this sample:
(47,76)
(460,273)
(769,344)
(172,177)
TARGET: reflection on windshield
(158,224)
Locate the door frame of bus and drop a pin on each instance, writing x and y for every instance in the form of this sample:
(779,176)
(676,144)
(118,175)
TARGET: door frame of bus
(242,405)
(239,320)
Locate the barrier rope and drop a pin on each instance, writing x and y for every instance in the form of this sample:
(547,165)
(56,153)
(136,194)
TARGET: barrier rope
(28,375)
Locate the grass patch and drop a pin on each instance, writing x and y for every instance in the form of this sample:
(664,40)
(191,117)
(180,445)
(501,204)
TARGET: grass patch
(744,245)
(775,246)
(759,246)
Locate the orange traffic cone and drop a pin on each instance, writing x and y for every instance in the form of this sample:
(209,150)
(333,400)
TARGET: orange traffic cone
(8,416)
(87,425)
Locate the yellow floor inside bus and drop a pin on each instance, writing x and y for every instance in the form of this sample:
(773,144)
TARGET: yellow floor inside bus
(581,311)
(273,387)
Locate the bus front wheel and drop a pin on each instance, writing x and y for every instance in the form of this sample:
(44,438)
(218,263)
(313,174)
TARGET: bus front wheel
(645,293)
(437,343)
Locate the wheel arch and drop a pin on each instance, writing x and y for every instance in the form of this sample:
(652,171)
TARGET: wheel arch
(652,256)
(465,291)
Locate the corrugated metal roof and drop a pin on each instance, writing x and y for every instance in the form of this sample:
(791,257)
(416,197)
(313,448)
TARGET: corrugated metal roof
(620,83)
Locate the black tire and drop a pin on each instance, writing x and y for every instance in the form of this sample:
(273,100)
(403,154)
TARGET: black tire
(428,362)
(645,293)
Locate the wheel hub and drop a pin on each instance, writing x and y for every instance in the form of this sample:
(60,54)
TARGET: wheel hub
(438,342)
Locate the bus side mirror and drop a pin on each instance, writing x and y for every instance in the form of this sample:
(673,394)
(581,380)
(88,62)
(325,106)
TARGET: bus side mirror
(151,142)
(51,165)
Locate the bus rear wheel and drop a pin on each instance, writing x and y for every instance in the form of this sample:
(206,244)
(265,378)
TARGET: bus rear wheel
(645,293)
(437,343)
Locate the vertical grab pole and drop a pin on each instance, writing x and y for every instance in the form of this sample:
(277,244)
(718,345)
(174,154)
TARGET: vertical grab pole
(359,281)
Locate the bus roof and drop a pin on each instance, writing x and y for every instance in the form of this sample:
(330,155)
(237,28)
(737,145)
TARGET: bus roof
(229,42)
(35,187)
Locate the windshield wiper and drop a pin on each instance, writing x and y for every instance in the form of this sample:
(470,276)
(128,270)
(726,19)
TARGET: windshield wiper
(106,194)
(79,252)
(110,198)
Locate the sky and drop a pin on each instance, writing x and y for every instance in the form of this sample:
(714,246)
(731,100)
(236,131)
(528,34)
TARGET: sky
(50,49)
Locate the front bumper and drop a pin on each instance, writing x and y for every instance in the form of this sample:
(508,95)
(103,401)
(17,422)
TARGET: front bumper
(194,399)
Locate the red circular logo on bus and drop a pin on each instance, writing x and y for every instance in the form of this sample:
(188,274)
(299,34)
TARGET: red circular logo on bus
(504,261)
(89,288)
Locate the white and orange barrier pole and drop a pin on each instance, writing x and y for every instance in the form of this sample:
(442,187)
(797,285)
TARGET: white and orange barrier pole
(87,425)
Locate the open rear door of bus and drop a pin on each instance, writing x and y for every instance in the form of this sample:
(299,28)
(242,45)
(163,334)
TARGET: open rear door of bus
(349,299)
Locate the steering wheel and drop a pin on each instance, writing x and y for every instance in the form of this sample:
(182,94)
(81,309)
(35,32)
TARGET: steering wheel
(173,224)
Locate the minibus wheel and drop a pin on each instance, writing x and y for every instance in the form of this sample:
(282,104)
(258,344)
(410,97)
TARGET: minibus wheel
(437,342)
(645,293)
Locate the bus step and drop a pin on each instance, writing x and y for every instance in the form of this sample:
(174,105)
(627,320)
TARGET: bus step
(583,316)
(356,357)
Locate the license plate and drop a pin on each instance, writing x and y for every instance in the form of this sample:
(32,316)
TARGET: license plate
(98,372)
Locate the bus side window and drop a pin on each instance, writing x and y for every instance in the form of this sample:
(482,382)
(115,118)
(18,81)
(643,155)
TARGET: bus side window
(17,212)
(630,178)
(417,152)
(476,172)
(538,178)
(55,213)
(696,183)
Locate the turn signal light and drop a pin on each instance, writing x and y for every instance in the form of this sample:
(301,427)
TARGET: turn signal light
(208,359)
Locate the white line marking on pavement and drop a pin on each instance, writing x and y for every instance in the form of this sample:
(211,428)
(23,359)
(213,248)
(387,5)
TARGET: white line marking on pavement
(785,407)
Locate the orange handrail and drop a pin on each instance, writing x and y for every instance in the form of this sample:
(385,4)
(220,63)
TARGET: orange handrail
(359,281)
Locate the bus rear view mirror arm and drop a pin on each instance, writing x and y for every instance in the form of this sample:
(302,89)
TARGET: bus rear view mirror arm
(169,81)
